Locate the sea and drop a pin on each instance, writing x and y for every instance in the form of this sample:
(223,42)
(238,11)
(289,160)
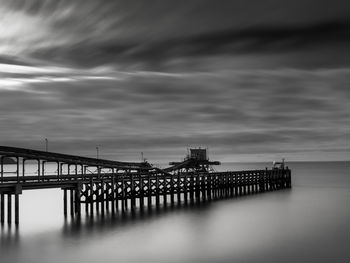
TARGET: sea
(308,223)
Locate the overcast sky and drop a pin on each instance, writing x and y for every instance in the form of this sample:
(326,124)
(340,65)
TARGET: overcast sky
(250,79)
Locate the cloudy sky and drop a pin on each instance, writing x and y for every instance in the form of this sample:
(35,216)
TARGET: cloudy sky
(250,79)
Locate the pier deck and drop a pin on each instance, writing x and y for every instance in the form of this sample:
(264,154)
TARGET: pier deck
(116,185)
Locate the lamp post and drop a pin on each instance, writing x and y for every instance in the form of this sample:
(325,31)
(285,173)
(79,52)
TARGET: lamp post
(46,144)
(97,152)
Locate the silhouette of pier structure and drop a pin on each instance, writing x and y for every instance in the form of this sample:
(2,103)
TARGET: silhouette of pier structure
(98,185)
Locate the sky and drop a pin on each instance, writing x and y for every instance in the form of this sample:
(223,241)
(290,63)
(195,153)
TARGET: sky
(251,80)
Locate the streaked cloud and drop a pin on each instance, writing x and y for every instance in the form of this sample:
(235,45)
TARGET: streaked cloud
(260,78)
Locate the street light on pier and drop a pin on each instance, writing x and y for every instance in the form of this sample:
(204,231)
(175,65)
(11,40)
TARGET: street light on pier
(97,152)
(46,144)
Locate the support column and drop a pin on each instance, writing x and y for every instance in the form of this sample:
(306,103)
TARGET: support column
(179,188)
(141,191)
(191,188)
(77,201)
(149,191)
(172,189)
(113,194)
(2,208)
(97,201)
(71,202)
(165,189)
(91,196)
(209,179)
(9,208)
(157,190)
(197,187)
(16,209)
(132,192)
(185,188)
(123,194)
(117,193)
(221,186)
(103,195)
(65,202)
(108,195)
(86,186)
(203,184)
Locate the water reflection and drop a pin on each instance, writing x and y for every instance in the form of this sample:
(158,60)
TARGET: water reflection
(98,224)
(9,235)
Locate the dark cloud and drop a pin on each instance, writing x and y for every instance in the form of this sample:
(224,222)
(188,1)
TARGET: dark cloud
(249,111)
(269,39)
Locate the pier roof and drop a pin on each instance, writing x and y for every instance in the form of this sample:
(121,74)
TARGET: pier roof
(66,158)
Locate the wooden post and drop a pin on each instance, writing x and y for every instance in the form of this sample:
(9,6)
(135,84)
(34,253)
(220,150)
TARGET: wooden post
(123,194)
(157,190)
(87,188)
(2,208)
(98,197)
(178,188)
(231,185)
(202,180)
(197,188)
(149,189)
(65,202)
(141,191)
(289,179)
(103,193)
(117,192)
(91,196)
(227,185)
(9,208)
(165,189)
(254,182)
(191,188)
(71,202)
(221,185)
(77,204)
(113,194)
(235,184)
(249,182)
(208,179)
(185,187)
(244,183)
(132,191)
(172,189)
(126,194)
(217,186)
(213,186)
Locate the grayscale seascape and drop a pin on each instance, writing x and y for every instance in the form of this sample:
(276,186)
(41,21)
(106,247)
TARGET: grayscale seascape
(174,131)
(308,223)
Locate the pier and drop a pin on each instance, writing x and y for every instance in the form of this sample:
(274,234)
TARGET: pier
(100,186)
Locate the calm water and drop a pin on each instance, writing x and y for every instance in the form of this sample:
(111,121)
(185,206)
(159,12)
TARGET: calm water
(309,223)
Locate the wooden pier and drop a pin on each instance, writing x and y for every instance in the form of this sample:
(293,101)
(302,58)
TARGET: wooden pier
(100,186)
